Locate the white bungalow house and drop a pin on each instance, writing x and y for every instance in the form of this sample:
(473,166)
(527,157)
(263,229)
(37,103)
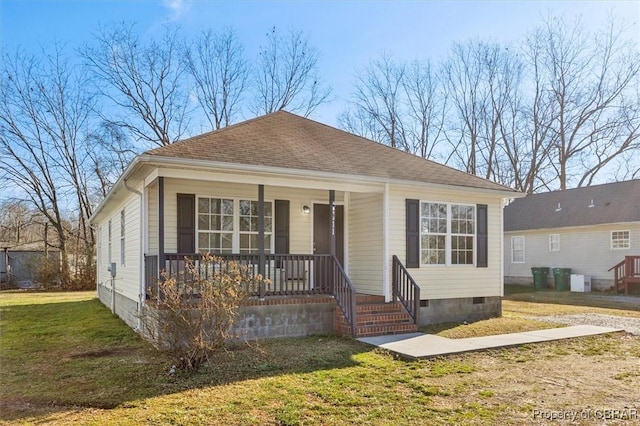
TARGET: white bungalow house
(356,237)
(593,230)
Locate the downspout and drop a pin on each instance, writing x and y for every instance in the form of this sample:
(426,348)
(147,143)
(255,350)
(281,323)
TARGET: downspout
(141,284)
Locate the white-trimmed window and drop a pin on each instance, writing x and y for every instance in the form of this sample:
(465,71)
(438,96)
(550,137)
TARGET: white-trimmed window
(517,249)
(122,232)
(447,234)
(226,225)
(109,244)
(620,240)
(249,226)
(215,225)
(463,233)
(554,242)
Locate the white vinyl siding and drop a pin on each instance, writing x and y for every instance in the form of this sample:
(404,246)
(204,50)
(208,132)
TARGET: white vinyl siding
(366,242)
(127,282)
(517,249)
(554,242)
(122,237)
(620,240)
(586,250)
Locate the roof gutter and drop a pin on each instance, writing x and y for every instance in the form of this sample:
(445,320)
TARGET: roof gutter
(174,161)
(122,181)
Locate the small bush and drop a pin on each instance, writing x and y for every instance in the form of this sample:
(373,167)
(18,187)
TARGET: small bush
(194,313)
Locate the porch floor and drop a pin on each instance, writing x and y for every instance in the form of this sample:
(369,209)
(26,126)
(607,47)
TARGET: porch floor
(420,345)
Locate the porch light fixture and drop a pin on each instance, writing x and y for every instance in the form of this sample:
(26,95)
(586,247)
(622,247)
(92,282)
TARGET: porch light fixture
(306,209)
(558,208)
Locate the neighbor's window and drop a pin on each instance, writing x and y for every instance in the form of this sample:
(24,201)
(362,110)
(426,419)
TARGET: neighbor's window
(517,249)
(447,234)
(215,225)
(249,226)
(554,242)
(122,237)
(620,240)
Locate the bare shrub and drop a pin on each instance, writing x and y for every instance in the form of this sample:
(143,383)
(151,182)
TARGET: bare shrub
(193,314)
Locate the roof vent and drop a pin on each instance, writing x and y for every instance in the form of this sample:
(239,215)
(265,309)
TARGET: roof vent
(558,208)
(591,205)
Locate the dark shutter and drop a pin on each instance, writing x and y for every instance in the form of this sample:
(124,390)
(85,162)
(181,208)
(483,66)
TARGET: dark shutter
(413,233)
(186,223)
(282,227)
(481,218)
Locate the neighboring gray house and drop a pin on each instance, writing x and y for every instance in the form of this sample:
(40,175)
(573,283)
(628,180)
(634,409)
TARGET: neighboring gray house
(327,216)
(588,229)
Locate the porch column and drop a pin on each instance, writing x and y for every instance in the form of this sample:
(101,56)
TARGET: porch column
(161,264)
(261,257)
(332,222)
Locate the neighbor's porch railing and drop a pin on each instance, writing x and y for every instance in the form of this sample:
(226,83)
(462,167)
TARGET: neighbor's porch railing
(405,289)
(625,272)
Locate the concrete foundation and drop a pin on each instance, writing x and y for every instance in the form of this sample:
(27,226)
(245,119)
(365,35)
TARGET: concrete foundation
(459,310)
(125,308)
(303,317)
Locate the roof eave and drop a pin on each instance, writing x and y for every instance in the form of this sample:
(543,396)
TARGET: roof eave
(189,162)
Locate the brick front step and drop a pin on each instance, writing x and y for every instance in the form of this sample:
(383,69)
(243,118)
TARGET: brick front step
(368,298)
(379,308)
(380,330)
(376,319)
(384,318)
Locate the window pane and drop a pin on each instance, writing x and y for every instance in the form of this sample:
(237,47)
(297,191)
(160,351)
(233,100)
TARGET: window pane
(203,205)
(267,209)
(267,224)
(267,243)
(254,208)
(245,208)
(245,224)
(254,224)
(215,223)
(227,223)
(203,222)
(203,241)
(253,238)
(215,206)
(244,241)
(455,227)
(227,207)
(227,240)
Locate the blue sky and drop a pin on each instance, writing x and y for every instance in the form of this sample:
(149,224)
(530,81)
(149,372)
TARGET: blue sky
(348,34)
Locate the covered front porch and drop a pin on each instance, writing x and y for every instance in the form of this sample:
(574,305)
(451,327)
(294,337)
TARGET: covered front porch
(305,240)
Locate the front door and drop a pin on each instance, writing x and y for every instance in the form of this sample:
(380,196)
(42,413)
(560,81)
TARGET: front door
(321,231)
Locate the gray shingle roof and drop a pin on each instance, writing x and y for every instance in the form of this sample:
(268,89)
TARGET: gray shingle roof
(285,140)
(612,203)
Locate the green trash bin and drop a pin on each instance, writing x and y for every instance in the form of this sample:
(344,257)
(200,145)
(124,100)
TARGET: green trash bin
(561,277)
(539,277)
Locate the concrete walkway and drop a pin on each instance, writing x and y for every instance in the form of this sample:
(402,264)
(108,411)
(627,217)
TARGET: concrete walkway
(420,345)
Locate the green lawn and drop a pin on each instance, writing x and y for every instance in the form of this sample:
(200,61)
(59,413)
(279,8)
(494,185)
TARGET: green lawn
(66,359)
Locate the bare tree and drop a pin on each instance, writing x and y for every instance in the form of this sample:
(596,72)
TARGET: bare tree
(590,80)
(427,106)
(143,80)
(378,99)
(287,75)
(220,71)
(44,113)
(109,151)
